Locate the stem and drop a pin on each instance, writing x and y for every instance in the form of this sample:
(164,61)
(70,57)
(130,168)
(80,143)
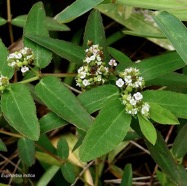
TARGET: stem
(11,134)
(96,173)
(50,154)
(59,74)
(9,18)
(30,79)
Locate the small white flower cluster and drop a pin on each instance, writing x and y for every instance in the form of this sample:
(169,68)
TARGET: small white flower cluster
(131,79)
(94,71)
(131,83)
(21,59)
(4,81)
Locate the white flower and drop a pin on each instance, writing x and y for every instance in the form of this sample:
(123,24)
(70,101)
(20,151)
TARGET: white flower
(99,62)
(92,58)
(128,70)
(82,75)
(13,55)
(12,64)
(134,111)
(120,82)
(24,69)
(87,60)
(112,62)
(78,84)
(98,58)
(18,55)
(80,69)
(145,109)
(24,50)
(29,57)
(138,96)
(128,79)
(99,78)
(85,82)
(132,101)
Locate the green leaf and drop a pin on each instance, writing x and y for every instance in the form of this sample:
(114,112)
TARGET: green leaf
(136,22)
(68,172)
(174,102)
(95,98)
(94,31)
(5,70)
(52,24)
(179,148)
(163,157)
(172,79)
(152,4)
(161,115)
(46,158)
(127,176)
(177,8)
(147,129)
(62,149)
(19,110)
(118,35)
(121,58)
(163,179)
(26,151)
(108,130)
(63,102)
(64,49)
(36,24)
(48,176)
(50,122)
(144,34)
(160,65)
(176,34)
(2,146)
(76,9)
(2,21)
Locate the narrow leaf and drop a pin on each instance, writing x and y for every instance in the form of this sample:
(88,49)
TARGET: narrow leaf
(48,176)
(147,129)
(64,49)
(2,21)
(179,148)
(176,34)
(36,24)
(163,157)
(95,98)
(156,66)
(19,110)
(26,151)
(5,70)
(108,130)
(172,79)
(68,172)
(72,12)
(46,158)
(136,22)
(161,115)
(152,4)
(94,31)
(52,24)
(63,102)
(127,176)
(174,102)
(50,122)
(2,146)
(62,149)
